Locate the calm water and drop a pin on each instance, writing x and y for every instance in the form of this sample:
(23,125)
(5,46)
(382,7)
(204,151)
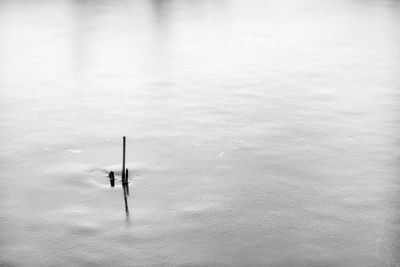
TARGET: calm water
(260,133)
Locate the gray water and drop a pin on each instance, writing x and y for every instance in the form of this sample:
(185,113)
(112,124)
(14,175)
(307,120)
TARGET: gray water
(260,133)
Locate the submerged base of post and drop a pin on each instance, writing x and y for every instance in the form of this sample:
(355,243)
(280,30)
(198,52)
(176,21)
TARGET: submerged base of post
(127,181)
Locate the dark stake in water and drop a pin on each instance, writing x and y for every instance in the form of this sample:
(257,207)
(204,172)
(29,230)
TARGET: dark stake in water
(124,177)
(125,183)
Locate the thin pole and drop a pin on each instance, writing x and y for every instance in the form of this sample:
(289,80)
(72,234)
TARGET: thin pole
(123,159)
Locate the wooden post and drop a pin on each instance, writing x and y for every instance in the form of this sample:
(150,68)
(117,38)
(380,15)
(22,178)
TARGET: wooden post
(123,159)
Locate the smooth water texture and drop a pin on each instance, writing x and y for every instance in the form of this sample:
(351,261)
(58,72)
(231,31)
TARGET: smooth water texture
(260,133)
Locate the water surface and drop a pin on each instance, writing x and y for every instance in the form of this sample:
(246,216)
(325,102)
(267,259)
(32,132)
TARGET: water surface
(260,133)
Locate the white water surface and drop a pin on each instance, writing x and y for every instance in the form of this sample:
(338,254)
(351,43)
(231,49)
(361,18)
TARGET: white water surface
(260,133)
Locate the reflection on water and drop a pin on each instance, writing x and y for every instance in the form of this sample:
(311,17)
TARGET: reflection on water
(261,132)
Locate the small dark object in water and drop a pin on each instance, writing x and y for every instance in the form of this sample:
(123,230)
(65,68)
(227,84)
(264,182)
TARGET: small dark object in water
(123,159)
(112,178)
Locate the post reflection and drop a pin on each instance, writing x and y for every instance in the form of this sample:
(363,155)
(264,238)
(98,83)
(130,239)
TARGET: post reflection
(125,187)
